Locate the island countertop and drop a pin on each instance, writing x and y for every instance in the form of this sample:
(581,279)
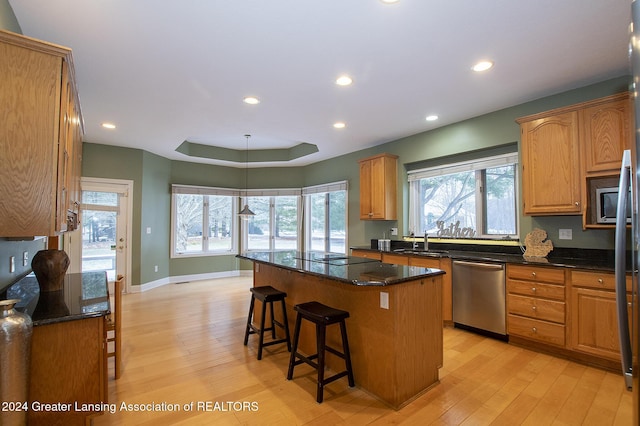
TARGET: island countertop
(352,270)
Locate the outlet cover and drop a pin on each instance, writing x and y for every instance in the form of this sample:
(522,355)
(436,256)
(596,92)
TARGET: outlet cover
(384,300)
(394,231)
(565,234)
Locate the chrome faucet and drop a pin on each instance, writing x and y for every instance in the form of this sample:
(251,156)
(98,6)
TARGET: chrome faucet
(426,241)
(415,244)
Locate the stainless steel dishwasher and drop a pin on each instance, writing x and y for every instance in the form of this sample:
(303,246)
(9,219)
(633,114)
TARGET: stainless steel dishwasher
(479,301)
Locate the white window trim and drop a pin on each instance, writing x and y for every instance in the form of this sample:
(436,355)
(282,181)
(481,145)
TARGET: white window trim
(463,166)
(204,190)
(319,189)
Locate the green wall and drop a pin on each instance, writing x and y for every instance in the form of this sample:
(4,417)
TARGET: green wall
(152,176)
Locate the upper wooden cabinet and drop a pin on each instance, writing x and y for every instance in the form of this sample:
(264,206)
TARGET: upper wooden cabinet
(564,147)
(40,138)
(550,159)
(379,187)
(607,132)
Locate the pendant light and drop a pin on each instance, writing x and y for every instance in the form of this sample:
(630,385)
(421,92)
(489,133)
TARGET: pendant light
(246,212)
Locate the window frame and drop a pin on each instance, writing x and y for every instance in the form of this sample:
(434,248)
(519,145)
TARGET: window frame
(479,167)
(205,192)
(326,189)
(272,194)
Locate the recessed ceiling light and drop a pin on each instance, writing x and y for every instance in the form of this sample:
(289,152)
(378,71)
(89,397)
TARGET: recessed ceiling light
(339,125)
(432,117)
(108,125)
(344,80)
(251,100)
(482,66)
(389,1)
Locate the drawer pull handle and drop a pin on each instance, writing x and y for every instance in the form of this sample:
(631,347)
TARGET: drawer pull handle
(535,330)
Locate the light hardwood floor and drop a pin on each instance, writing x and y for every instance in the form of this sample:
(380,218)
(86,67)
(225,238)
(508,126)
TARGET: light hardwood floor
(182,344)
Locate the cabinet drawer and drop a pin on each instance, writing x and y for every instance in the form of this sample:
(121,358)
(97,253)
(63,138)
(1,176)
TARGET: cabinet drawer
(425,262)
(395,259)
(598,280)
(549,310)
(542,331)
(368,254)
(533,273)
(528,288)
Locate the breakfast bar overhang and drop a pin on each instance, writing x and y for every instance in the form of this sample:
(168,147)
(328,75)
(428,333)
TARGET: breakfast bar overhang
(395,323)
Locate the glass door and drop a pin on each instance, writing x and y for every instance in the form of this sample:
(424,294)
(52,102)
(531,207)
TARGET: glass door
(102,243)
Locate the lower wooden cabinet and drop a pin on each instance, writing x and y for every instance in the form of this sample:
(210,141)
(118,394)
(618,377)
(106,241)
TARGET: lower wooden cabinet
(536,306)
(594,322)
(69,370)
(367,254)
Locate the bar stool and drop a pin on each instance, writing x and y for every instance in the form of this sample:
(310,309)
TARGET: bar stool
(322,316)
(267,295)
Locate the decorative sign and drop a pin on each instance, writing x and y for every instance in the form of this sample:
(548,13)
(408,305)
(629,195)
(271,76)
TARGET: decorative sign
(454,230)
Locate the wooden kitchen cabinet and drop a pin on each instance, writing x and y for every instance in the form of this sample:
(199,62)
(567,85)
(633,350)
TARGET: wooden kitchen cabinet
(607,131)
(68,366)
(594,323)
(40,138)
(550,164)
(568,152)
(378,187)
(444,264)
(367,254)
(536,306)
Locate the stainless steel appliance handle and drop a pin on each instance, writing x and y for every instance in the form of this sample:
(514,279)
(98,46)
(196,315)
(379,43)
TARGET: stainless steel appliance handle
(490,266)
(620,268)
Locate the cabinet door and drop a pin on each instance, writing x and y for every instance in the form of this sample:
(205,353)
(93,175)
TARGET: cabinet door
(378,188)
(365,190)
(594,327)
(607,133)
(30,87)
(551,165)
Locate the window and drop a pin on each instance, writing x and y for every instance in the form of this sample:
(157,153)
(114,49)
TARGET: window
(326,217)
(275,225)
(475,199)
(203,221)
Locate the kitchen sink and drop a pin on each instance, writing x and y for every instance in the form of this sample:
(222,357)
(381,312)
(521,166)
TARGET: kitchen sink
(422,252)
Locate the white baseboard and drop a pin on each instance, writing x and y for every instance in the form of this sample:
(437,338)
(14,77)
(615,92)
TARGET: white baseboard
(187,278)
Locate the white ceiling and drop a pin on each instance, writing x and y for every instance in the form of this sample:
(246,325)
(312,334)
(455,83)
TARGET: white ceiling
(166,71)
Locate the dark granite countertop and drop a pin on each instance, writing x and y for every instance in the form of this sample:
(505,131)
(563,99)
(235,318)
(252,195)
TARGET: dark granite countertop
(83,295)
(340,267)
(602,260)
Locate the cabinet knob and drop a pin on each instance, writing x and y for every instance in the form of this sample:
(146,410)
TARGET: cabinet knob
(533,289)
(577,203)
(533,274)
(533,307)
(535,330)
(600,281)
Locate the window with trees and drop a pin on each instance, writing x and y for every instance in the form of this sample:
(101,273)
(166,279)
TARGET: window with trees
(276,220)
(474,199)
(203,220)
(326,217)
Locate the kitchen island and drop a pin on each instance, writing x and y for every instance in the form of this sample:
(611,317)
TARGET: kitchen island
(395,323)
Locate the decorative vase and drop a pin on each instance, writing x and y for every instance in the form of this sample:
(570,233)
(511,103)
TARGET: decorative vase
(15,356)
(50,266)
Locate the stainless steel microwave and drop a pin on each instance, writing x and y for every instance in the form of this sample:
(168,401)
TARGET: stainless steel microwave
(607,205)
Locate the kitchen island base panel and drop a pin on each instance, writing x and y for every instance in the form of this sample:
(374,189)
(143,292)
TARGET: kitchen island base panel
(395,352)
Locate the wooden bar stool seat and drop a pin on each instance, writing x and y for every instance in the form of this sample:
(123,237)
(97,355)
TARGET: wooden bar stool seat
(322,316)
(267,295)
